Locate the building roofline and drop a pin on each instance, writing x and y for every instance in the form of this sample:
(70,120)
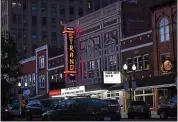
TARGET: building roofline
(56,57)
(163,4)
(41,48)
(28,60)
(140,34)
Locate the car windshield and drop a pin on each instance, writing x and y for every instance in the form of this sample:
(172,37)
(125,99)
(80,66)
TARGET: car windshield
(137,103)
(97,102)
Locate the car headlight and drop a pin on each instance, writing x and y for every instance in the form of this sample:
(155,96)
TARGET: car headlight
(6,109)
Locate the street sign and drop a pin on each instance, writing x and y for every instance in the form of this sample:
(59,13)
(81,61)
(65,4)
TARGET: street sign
(134,85)
(126,86)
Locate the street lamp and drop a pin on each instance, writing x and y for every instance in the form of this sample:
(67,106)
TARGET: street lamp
(19,84)
(125,67)
(25,84)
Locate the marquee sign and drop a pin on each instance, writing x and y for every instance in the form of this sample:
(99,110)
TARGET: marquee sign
(70,51)
(166,66)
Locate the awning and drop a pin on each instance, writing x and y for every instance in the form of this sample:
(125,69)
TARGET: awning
(154,81)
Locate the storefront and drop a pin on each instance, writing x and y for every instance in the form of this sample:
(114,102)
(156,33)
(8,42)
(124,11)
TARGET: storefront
(151,90)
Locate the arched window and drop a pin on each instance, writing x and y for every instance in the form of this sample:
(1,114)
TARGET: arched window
(33,79)
(164,30)
(29,80)
(22,82)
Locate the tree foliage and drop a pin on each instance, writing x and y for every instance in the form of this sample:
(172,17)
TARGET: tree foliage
(10,65)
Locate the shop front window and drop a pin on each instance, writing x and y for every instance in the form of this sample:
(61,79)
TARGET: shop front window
(139,98)
(139,92)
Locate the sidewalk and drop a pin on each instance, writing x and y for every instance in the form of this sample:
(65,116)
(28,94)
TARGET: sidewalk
(153,115)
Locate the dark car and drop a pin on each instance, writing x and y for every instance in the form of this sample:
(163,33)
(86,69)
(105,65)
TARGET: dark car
(85,109)
(139,109)
(116,105)
(6,114)
(35,108)
(169,109)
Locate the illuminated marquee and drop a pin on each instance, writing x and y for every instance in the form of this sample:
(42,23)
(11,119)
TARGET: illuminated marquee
(71,52)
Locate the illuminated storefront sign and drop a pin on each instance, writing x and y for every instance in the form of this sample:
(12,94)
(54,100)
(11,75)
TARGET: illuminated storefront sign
(71,52)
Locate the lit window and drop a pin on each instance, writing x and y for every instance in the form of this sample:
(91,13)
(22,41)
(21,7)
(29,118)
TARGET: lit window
(33,35)
(164,30)
(29,80)
(26,81)
(112,60)
(138,61)
(89,4)
(33,79)
(146,64)
(42,81)
(41,62)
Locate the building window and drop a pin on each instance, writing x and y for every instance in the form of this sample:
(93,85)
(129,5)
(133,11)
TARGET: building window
(112,60)
(85,70)
(34,35)
(34,20)
(22,82)
(26,81)
(62,11)
(25,34)
(80,12)
(71,10)
(42,81)
(138,61)
(33,6)
(164,30)
(89,3)
(146,64)
(29,80)
(53,8)
(56,78)
(44,21)
(41,62)
(44,7)
(91,69)
(33,80)
(53,22)
(44,35)
(98,67)
(53,34)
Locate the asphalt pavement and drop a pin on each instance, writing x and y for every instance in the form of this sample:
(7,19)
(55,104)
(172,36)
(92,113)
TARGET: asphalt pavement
(123,119)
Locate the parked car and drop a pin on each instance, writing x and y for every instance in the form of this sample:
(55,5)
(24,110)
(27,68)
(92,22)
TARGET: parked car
(7,114)
(35,108)
(139,109)
(86,109)
(169,109)
(116,105)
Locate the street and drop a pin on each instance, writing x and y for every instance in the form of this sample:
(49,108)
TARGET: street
(123,119)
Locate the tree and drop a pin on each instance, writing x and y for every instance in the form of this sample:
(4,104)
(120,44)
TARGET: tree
(10,65)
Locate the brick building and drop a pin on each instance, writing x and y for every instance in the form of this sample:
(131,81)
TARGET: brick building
(43,72)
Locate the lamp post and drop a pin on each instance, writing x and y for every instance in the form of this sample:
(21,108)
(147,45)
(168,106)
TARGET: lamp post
(125,67)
